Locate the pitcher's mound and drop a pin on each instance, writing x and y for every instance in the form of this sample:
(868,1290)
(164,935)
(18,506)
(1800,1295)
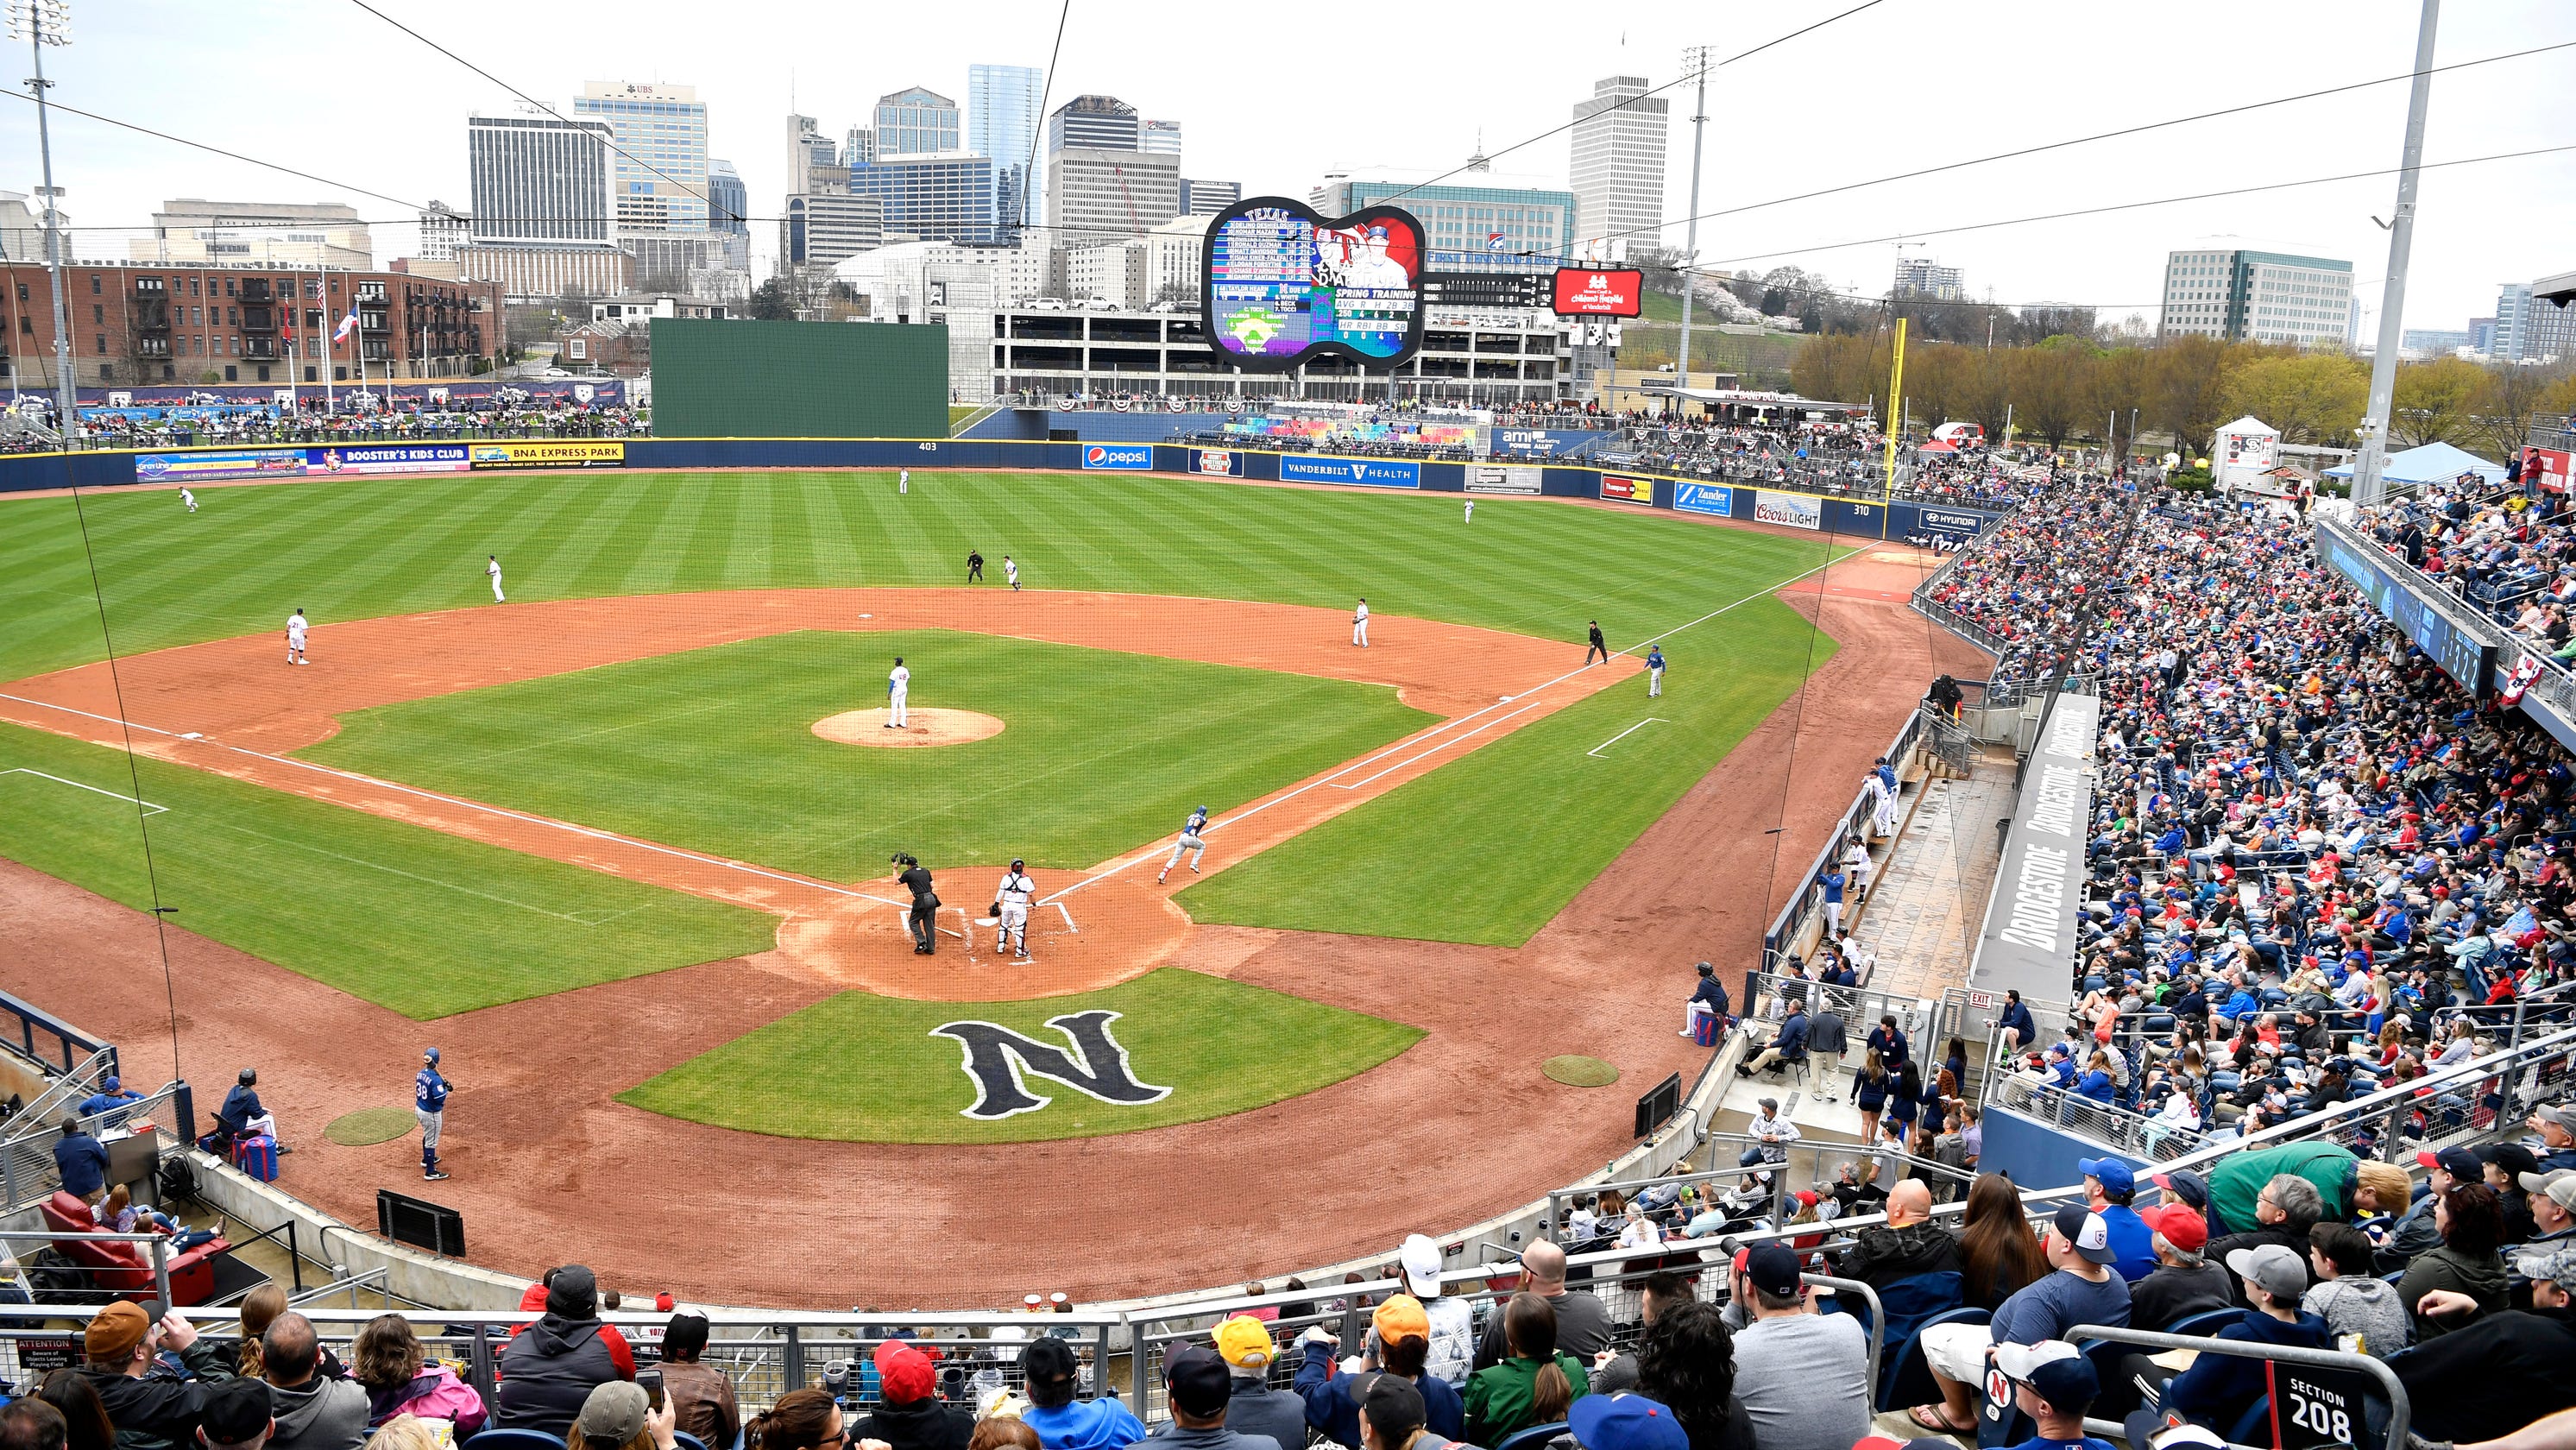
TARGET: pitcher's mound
(921,727)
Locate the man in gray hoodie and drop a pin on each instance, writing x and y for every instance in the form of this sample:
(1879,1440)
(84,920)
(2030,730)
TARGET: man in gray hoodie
(312,1412)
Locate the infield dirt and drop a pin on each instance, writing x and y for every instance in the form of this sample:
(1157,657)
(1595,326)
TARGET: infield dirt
(550,1169)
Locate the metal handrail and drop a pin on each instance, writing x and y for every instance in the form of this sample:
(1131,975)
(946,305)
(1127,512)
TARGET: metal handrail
(2400,1409)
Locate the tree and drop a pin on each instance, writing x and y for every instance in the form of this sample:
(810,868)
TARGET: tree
(1842,368)
(769,303)
(2513,393)
(2436,401)
(2186,390)
(2052,387)
(2311,398)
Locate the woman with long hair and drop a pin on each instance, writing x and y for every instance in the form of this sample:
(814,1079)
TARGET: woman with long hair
(2463,1276)
(1533,1385)
(1997,1252)
(1905,1104)
(83,1412)
(260,1308)
(805,1419)
(1686,1361)
(399,1380)
(1869,1089)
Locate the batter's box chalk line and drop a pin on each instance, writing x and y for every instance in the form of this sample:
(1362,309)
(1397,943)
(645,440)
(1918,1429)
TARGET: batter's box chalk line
(1624,734)
(149,808)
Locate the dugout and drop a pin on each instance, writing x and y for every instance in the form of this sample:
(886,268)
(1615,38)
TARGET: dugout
(729,379)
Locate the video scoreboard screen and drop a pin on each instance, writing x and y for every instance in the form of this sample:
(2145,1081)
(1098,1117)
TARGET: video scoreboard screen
(1282,283)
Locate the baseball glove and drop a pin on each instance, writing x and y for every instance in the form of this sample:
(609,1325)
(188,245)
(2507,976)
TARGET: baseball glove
(996,912)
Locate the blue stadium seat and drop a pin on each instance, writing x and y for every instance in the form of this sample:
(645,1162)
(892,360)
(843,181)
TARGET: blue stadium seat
(1906,1379)
(519,1440)
(1533,1437)
(2255,1422)
(2206,1323)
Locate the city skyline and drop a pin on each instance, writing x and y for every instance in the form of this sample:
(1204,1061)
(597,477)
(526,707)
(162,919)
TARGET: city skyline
(1285,143)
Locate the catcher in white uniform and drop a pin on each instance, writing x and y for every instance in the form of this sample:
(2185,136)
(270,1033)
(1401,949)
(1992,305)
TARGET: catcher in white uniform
(1011,905)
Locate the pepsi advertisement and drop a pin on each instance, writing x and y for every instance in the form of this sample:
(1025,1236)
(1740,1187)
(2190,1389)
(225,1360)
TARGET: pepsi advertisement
(1119,457)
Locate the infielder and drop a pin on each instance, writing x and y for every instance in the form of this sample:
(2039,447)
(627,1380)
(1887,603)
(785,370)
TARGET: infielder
(1011,571)
(492,566)
(1191,840)
(1016,892)
(1654,670)
(1359,625)
(429,1105)
(188,496)
(295,627)
(898,687)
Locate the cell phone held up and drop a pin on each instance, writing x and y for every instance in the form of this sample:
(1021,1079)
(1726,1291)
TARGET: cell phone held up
(650,1380)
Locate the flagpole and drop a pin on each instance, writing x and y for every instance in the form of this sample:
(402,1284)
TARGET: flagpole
(330,349)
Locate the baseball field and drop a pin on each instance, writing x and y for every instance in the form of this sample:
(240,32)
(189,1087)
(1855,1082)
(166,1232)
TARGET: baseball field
(583,811)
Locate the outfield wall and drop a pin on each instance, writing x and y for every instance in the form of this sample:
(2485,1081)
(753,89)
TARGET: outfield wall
(1646,491)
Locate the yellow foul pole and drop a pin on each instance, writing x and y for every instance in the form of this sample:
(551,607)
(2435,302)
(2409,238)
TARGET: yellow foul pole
(1895,421)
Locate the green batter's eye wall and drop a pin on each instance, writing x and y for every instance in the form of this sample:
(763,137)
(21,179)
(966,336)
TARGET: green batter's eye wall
(799,379)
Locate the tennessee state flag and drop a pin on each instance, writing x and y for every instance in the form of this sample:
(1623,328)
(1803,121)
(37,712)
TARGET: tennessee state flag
(347,325)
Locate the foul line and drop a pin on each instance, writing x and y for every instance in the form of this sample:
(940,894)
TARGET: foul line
(149,808)
(490,810)
(1624,734)
(1157,848)
(1434,750)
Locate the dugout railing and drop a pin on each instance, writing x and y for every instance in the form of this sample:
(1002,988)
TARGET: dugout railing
(1806,906)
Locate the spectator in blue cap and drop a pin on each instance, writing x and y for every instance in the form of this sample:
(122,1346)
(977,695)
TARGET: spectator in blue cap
(1625,1422)
(2109,1185)
(103,1104)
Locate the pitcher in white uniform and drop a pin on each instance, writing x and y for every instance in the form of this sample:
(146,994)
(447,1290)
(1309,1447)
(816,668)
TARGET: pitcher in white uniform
(898,685)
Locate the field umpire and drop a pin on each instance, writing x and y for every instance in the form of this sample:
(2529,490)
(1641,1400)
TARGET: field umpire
(925,903)
(429,1105)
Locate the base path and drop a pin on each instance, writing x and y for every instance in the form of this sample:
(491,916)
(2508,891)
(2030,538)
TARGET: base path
(1463,1125)
(234,708)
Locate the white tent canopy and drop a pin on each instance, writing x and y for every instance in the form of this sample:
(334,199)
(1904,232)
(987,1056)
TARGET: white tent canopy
(2432,463)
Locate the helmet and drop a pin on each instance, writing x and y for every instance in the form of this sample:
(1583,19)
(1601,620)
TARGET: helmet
(431,1054)
(1017,863)
(249,1075)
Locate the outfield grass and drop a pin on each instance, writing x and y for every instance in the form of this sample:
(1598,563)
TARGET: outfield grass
(712,749)
(1488,849)
(863,1068)
(413,919)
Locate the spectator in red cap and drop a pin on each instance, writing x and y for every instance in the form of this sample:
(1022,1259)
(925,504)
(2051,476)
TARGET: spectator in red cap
(2184,1283)
(909,1414)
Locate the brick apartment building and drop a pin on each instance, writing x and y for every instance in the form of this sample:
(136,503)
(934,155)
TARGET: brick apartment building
(135,322)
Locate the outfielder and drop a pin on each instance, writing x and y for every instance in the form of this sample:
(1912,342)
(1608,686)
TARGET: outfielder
(903,480)
(1654,670)
(1471,511)
(188,496)
(1013,899)
(1359,625)
(429,1105)
(295,627)
(1191,840)
(898,688)
(492,566)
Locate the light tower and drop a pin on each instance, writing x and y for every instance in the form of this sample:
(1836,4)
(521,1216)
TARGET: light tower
(41,23)
(1695,63)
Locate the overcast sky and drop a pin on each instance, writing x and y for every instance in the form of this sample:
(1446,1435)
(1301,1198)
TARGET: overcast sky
(1266,99)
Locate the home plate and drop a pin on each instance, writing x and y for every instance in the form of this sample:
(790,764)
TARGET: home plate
(191,735)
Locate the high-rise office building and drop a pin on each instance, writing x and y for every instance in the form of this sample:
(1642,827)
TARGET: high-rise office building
(947,198)
(859,147)
(661,153)
(1923,277)
(192,230)
(811,157)
(2512,321)
(1093,123)
(1497,224)
(1162,138)
(728,200)
(916,122)
(2247,296)
(1002,123)
(819,230)
(2549,319)
(1207,198)
(443,230)
(537,179)
(1618,162)
(1094,195)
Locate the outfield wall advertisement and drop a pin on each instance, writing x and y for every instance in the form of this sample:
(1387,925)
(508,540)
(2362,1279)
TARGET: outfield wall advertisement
(1796,510)
(1704,498)
(551,453)
(1119,457)
(249,463)
(388,458)
(1507,479)
(1380,472)
(1628,490)
(1951,523)
(1217,462)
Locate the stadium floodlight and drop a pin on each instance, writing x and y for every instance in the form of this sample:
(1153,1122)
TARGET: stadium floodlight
(1697,61)
(41,23)
(45,22)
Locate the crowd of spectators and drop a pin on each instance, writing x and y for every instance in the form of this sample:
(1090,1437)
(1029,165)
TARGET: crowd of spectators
(2509,550)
